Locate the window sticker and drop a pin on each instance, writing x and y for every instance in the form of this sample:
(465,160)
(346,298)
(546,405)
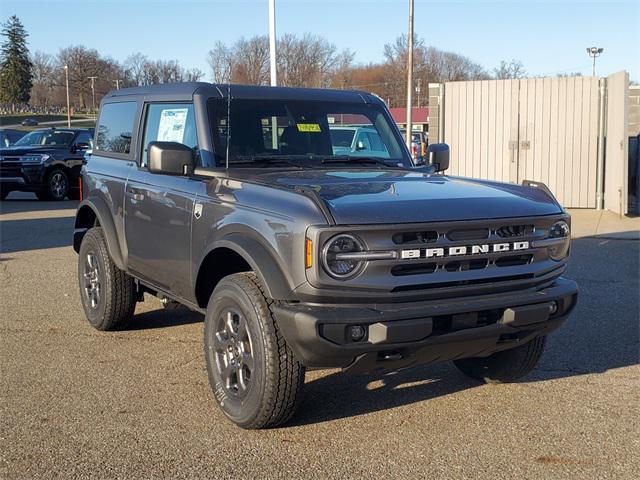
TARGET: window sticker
(308,127)
(172,124)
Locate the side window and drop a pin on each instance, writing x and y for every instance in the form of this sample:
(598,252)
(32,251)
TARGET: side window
(376,142)
(85,137)
(115,127)
(169,122)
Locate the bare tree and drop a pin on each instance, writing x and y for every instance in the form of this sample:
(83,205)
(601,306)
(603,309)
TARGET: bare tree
(509,70)
(220,59)
(193,75)
(307,61)
(83,63)
(134,68)
(43,68)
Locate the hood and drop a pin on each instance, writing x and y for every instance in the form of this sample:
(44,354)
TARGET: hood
(399,196)
(14,151)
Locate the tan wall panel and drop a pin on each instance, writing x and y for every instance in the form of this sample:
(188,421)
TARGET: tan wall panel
(558,117)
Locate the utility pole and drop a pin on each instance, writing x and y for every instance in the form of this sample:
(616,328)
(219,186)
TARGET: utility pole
(594,52)
(66,78)
(117,82)
(272,41)
(410,76)
(93,92)
(273,66)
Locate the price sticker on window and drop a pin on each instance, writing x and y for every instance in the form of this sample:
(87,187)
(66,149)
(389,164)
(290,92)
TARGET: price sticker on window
(308,127)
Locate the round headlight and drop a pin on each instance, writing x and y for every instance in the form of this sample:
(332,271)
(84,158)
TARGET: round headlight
(560,249)
(335,256)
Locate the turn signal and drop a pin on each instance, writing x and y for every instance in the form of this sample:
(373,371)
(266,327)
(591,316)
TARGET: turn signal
(308,253)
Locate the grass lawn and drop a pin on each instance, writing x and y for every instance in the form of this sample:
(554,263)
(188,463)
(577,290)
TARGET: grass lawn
(16,119)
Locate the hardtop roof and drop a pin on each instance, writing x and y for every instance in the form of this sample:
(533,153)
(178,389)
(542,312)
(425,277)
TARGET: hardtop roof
(187,90)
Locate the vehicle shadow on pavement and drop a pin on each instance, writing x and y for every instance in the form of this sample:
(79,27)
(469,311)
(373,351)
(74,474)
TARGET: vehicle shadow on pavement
(163,318)
(339,395)
(35,233)
(602,334)
(28,202)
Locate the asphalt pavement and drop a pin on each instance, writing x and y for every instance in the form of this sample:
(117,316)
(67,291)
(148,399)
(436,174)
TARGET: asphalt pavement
(78,403)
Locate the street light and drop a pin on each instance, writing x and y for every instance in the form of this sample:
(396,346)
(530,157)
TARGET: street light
(93,92)
(594,52)
(66,77)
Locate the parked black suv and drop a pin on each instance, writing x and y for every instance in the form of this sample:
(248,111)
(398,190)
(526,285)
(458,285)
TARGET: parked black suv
(233,201)
(46,162)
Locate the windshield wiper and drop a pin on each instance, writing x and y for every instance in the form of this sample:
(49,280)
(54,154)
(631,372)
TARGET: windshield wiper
(361,160)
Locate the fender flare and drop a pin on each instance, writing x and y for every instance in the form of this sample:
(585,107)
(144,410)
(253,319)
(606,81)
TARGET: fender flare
(103,214)
(276,284)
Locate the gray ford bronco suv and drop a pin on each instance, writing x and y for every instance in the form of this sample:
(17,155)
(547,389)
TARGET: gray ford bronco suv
(232,201)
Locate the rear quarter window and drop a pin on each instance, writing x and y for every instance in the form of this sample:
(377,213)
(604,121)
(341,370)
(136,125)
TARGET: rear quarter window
(115,127)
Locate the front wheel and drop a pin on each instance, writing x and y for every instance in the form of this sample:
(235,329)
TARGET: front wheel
(506,366)
(254,375)
(3,195)
(107,293)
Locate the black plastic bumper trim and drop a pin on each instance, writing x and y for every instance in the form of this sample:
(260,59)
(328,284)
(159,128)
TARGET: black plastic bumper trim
(301,325)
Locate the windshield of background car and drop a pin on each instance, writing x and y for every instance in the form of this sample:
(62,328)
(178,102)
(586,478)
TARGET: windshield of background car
(303,131)
(46,137)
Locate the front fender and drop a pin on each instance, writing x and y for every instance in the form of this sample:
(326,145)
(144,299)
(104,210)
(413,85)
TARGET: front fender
(262,261)
(102,212)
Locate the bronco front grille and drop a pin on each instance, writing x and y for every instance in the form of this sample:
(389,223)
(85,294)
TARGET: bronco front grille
(447,257)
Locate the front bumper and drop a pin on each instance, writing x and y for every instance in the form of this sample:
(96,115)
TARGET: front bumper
(401,335)
(28,178)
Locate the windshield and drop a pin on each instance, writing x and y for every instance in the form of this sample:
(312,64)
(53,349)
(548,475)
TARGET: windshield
(303,133)
(46,137)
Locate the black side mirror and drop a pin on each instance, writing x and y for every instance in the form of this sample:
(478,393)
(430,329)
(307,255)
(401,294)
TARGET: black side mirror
(170,158)
(438,155)
(80,146)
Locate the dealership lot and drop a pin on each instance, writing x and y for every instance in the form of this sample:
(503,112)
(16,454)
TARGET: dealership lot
(75,402)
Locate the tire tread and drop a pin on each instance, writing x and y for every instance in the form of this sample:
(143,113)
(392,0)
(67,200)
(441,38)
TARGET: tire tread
(120,292)
(284,385)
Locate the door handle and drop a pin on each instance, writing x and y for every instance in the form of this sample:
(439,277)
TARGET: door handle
(135,194)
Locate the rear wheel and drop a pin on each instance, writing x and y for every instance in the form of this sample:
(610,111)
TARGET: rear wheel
(57,185)
(255,377)
(108,294)
(506,366)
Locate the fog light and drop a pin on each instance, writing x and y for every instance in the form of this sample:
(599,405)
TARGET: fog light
(356,333)
(553,308)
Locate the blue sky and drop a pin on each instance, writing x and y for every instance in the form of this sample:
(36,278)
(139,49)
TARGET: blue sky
(549,37)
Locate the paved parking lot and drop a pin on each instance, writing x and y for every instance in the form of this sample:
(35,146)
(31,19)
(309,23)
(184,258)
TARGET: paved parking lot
(75,402)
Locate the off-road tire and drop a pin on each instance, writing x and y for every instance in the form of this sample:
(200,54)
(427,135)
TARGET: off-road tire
(57,185)
(276,382)
(117,293)
(506,366)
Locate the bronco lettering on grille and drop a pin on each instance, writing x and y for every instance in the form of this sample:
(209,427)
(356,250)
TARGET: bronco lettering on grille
(463,250)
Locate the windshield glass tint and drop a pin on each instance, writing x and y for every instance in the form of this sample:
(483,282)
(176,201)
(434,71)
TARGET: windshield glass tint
(47,137)
(304,131)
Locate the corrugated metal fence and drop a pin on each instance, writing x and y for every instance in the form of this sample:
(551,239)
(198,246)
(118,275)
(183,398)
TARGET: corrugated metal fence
(543,129)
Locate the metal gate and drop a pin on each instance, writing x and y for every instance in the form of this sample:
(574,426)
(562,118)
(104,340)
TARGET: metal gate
(543,129)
